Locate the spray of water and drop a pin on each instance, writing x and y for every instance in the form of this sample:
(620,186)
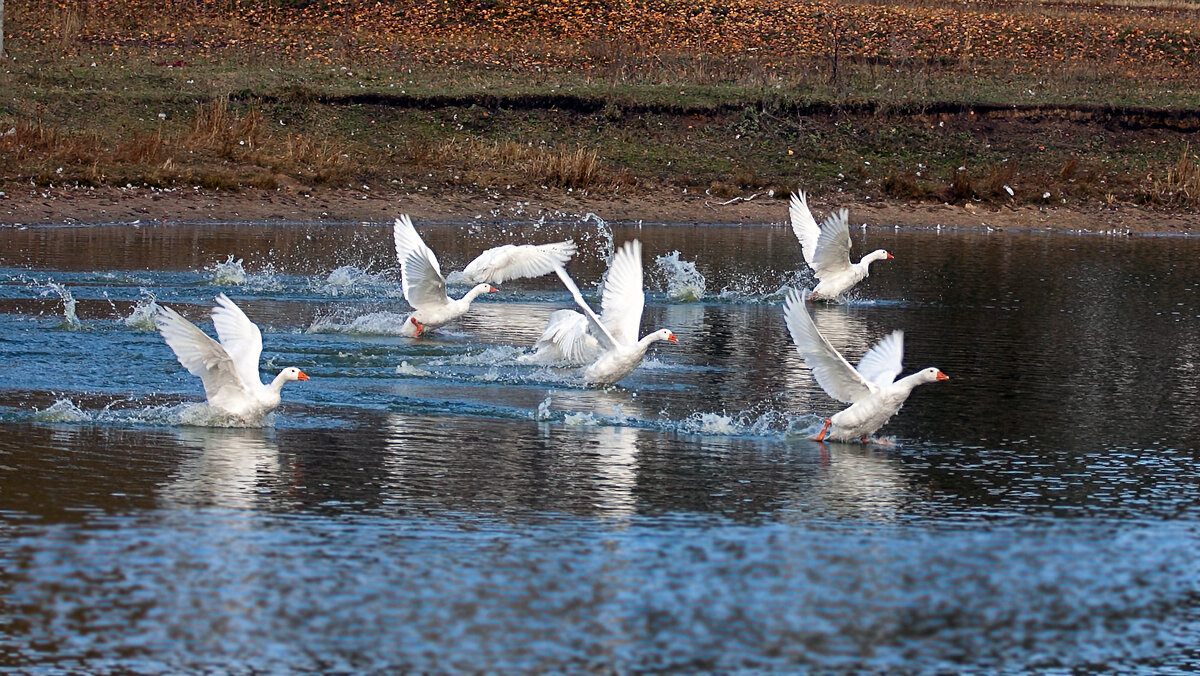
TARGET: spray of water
(70,320)
(142,316)
(227,273)
(684,283)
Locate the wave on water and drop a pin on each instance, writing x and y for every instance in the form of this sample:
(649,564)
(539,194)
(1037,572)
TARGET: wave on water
(374,323)
(186,413)
(770,423)
(684,283)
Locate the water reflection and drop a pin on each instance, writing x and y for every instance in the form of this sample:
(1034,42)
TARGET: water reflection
(230,468)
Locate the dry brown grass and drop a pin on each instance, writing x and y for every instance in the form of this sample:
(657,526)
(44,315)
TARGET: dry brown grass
(519,164)
(1180,186)
(220,148)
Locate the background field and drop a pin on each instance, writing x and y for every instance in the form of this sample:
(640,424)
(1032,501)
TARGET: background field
(1000,104)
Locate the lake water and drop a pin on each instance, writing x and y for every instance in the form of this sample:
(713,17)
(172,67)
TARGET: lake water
(436,505)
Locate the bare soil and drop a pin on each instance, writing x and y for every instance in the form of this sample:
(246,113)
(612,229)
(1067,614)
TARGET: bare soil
(31,206)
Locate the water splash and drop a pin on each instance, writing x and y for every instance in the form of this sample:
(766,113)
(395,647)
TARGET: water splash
(406,369)
(228,273)
(543,410)
(142,316)
(62,411)
(70,320)
(349,281)
(684,282)
(232,272)
(604,234)
(374,323)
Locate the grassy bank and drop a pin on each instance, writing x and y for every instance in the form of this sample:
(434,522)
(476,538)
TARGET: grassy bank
(1001,103)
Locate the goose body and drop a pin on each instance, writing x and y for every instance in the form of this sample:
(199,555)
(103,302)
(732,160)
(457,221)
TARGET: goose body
(425,288)
(229,368)
(871,389)
(608,343)
(826,249)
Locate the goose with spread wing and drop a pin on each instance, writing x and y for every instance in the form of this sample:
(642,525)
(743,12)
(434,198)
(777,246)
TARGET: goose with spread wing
(229,368)
(425,288)
(607,343)
(872,390)
(826,249)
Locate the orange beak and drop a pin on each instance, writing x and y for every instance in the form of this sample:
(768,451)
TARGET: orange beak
(303,376)
(492,289)
(672,338)
(420,329)
(942,376)
(890,256)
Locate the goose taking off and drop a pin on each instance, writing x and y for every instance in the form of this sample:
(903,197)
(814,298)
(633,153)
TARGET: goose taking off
(229,368)
(872,390)
(608,343)
(827,249)
(425,287)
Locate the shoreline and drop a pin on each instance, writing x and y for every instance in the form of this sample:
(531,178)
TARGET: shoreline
(65,206)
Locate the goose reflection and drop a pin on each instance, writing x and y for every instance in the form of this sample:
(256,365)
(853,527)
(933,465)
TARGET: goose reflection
(232,468)
(609,463)
(854,482)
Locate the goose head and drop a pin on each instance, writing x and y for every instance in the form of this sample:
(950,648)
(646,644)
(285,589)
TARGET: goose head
(480,289)
(292,373)
(286,376)
(663,334)
(876,255)
(932,374)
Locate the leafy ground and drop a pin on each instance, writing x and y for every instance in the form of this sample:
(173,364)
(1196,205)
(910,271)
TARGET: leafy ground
(992,107)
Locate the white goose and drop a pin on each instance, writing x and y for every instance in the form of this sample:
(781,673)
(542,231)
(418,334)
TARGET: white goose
(425,288)
(872,390)
(609,343)
(229,369)
(827,249)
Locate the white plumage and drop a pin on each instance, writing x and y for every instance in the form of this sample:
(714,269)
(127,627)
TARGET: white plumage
(607,343)
(229,368)
(872,390)
(425,288)
(826,249)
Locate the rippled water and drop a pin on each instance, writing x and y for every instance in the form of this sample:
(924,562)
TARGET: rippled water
(439,505)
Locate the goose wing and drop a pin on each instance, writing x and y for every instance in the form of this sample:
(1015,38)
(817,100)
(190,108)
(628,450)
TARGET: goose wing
(514,261)
(200,355)
(883,362)
(420,275)
(833,246)
(830,369)
(599,331)
(240,337)
(804,225)
(624,299)
(567,333)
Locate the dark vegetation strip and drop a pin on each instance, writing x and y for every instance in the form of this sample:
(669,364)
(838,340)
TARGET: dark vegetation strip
(1184,120)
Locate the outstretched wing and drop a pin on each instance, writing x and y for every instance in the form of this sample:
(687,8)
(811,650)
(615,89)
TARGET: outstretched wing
(883,362)
(833,246)
(514,261)
(623,300)
(804,225)
(566,338)
(200,355)
(420,275)
(240,337)
(832,372)
(599,330)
